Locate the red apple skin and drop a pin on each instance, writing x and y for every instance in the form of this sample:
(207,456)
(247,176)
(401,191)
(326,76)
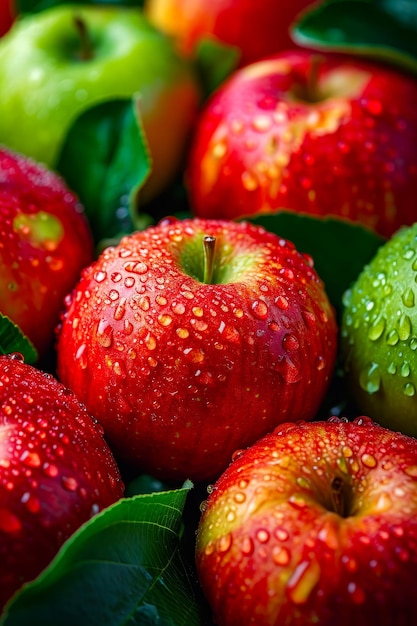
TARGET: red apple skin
(45,242)
(7,15)
(56,470)
(273,550)
(257,29)
(181,373)
(260,146)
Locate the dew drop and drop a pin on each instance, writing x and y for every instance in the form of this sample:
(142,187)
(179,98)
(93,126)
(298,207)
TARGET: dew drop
(31,502)
(405,370)
(370,379)
(99,277)
(262,535)
(392,338)
(408,298)
(50,470)
(290,342)
(377,328)
(136,267)
(104,333)
(247,546)
(368,460)
(302,581)
(69,483)
(239,497)
(224,544)
(404,327)
(281,555)
(164,320)
(356,593)
(409,390)
(31,459)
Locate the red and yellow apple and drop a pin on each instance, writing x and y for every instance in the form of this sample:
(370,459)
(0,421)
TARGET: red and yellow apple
(316,134)
(185,354)
(257,29)
(316,523)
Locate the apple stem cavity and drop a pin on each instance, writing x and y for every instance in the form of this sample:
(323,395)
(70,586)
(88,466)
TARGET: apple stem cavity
(86,50)
(209,244)
(339,496)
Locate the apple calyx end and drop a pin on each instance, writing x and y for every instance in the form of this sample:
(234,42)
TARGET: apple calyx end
(209,244)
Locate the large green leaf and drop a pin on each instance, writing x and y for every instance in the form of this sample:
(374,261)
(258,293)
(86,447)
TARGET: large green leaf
(12,339)
(381,29)
(105,160)
(124,566)
(339,249)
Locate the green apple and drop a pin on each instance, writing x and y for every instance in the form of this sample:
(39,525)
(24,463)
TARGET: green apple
(57,63)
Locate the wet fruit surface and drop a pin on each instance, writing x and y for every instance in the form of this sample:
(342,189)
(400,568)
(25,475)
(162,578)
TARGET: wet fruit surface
(185,372)
(312,525)
(345,146)
(379,334)
(45,242)
(56,470)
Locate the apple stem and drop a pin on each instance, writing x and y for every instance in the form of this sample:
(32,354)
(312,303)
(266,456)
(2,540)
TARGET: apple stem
(338,496)
(312,78)
(209,243)
(86,51)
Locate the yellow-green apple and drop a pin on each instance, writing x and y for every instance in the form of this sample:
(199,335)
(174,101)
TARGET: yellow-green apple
(45,242)
(379,334)
(257,29)
(184,352)
(316,523)
(56,470)
(316,134)
(59,62)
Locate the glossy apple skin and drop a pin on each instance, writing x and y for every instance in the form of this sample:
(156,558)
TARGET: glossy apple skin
(378,335)
(257,29)
(7,16)
(46,85)
(56,471)
(181,373)
(272,550)
(351,152)
(45,242)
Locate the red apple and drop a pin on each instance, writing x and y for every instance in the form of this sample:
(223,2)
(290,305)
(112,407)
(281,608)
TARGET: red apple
(7,15)
(56,471)
(314,524)
(45,242)
(257,29)
(181,367)
(316,134)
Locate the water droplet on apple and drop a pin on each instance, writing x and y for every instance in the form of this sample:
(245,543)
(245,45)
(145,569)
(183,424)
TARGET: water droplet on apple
(356,593)
(224,543)
(31,459)
(247,546)
(31,502)
(69,483)
(104,333)
(376,330)
(262,535)
(370,378)
(281,555)
(303,580)
(100,276)
(136,267)
(408,298)
(239,497)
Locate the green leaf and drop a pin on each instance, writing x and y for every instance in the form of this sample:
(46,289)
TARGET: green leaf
(34,6)
(105,160)
(380,29)
(123,567)
(339,249)
(12,339)
(214,62)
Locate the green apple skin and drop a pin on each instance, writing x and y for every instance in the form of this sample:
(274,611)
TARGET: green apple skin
(46,84)
(379,334)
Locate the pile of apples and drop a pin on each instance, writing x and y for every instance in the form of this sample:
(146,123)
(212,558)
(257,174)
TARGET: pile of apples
(159,324)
